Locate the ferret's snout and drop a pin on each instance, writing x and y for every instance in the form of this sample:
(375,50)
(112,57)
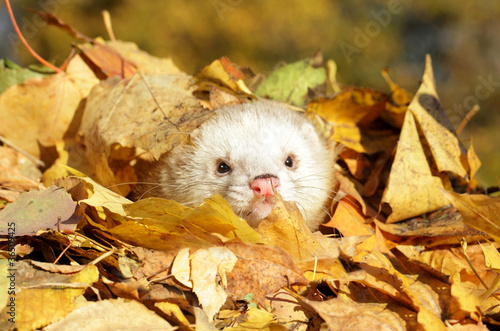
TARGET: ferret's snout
(262,186)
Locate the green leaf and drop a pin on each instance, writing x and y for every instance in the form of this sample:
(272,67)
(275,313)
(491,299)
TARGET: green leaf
(291,82)
(12,74)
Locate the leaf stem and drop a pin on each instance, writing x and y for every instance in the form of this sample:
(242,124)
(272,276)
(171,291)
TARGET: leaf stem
(25,43)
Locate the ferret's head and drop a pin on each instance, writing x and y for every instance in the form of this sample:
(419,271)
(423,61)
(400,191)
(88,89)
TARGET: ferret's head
(246,150)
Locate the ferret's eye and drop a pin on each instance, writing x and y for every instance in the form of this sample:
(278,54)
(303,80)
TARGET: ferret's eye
(223,168)
(289,162)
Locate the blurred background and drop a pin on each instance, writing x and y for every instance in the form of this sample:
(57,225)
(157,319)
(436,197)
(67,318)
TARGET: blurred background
(363,37)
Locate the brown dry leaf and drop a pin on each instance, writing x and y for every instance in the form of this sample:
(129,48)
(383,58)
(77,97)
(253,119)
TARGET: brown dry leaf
(54,20)
(447,151)
(347,187)
(154,112)
(153,264)
(63,269)
(286,228)
(219,98)
(442,227)
(412,189)
(44,107)
(111,314)
(292,315)
(106,62)
(261,270)
(56,291)
(373,181)
(358,164)
(349,219)
(344,314)
(479,211)
(52,208)
(222,73)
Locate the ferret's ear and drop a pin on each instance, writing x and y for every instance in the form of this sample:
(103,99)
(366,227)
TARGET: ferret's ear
(309,130)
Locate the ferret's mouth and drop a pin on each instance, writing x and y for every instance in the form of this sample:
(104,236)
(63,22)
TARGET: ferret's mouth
(257,210)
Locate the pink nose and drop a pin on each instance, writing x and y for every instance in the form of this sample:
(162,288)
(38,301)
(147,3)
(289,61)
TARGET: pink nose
(263,187)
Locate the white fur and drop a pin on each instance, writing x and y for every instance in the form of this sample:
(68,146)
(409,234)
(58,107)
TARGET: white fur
(253,139)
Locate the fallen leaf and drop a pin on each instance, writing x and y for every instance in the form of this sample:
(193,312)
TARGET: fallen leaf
(291,82)
(473,160)
(412,189)
(18,173)
(208,274)
(114,314)
(224,74)
(56,291)
(479,211)
(396,107)
(348,219)
(286,228)
(358,164)
(261,270)
(164,114)
(43,107)
(254,319)
(447,151)
(344,314)
(52,208)
(12,74)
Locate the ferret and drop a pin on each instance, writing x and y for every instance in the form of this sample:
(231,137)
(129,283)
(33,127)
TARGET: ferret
(242,153)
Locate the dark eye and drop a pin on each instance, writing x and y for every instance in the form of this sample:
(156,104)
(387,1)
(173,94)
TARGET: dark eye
(223,168)
(289,162)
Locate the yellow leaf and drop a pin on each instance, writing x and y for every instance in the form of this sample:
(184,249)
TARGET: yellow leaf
(479,211)
(447,151)
(411,190)
(173,311)
(474,162)
(253,319)
(491,256)
(206,266)
(286,228)
(109,125)
(44,107)
(348,219)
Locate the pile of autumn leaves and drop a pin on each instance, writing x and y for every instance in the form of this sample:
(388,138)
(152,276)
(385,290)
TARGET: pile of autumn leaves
(193,267)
